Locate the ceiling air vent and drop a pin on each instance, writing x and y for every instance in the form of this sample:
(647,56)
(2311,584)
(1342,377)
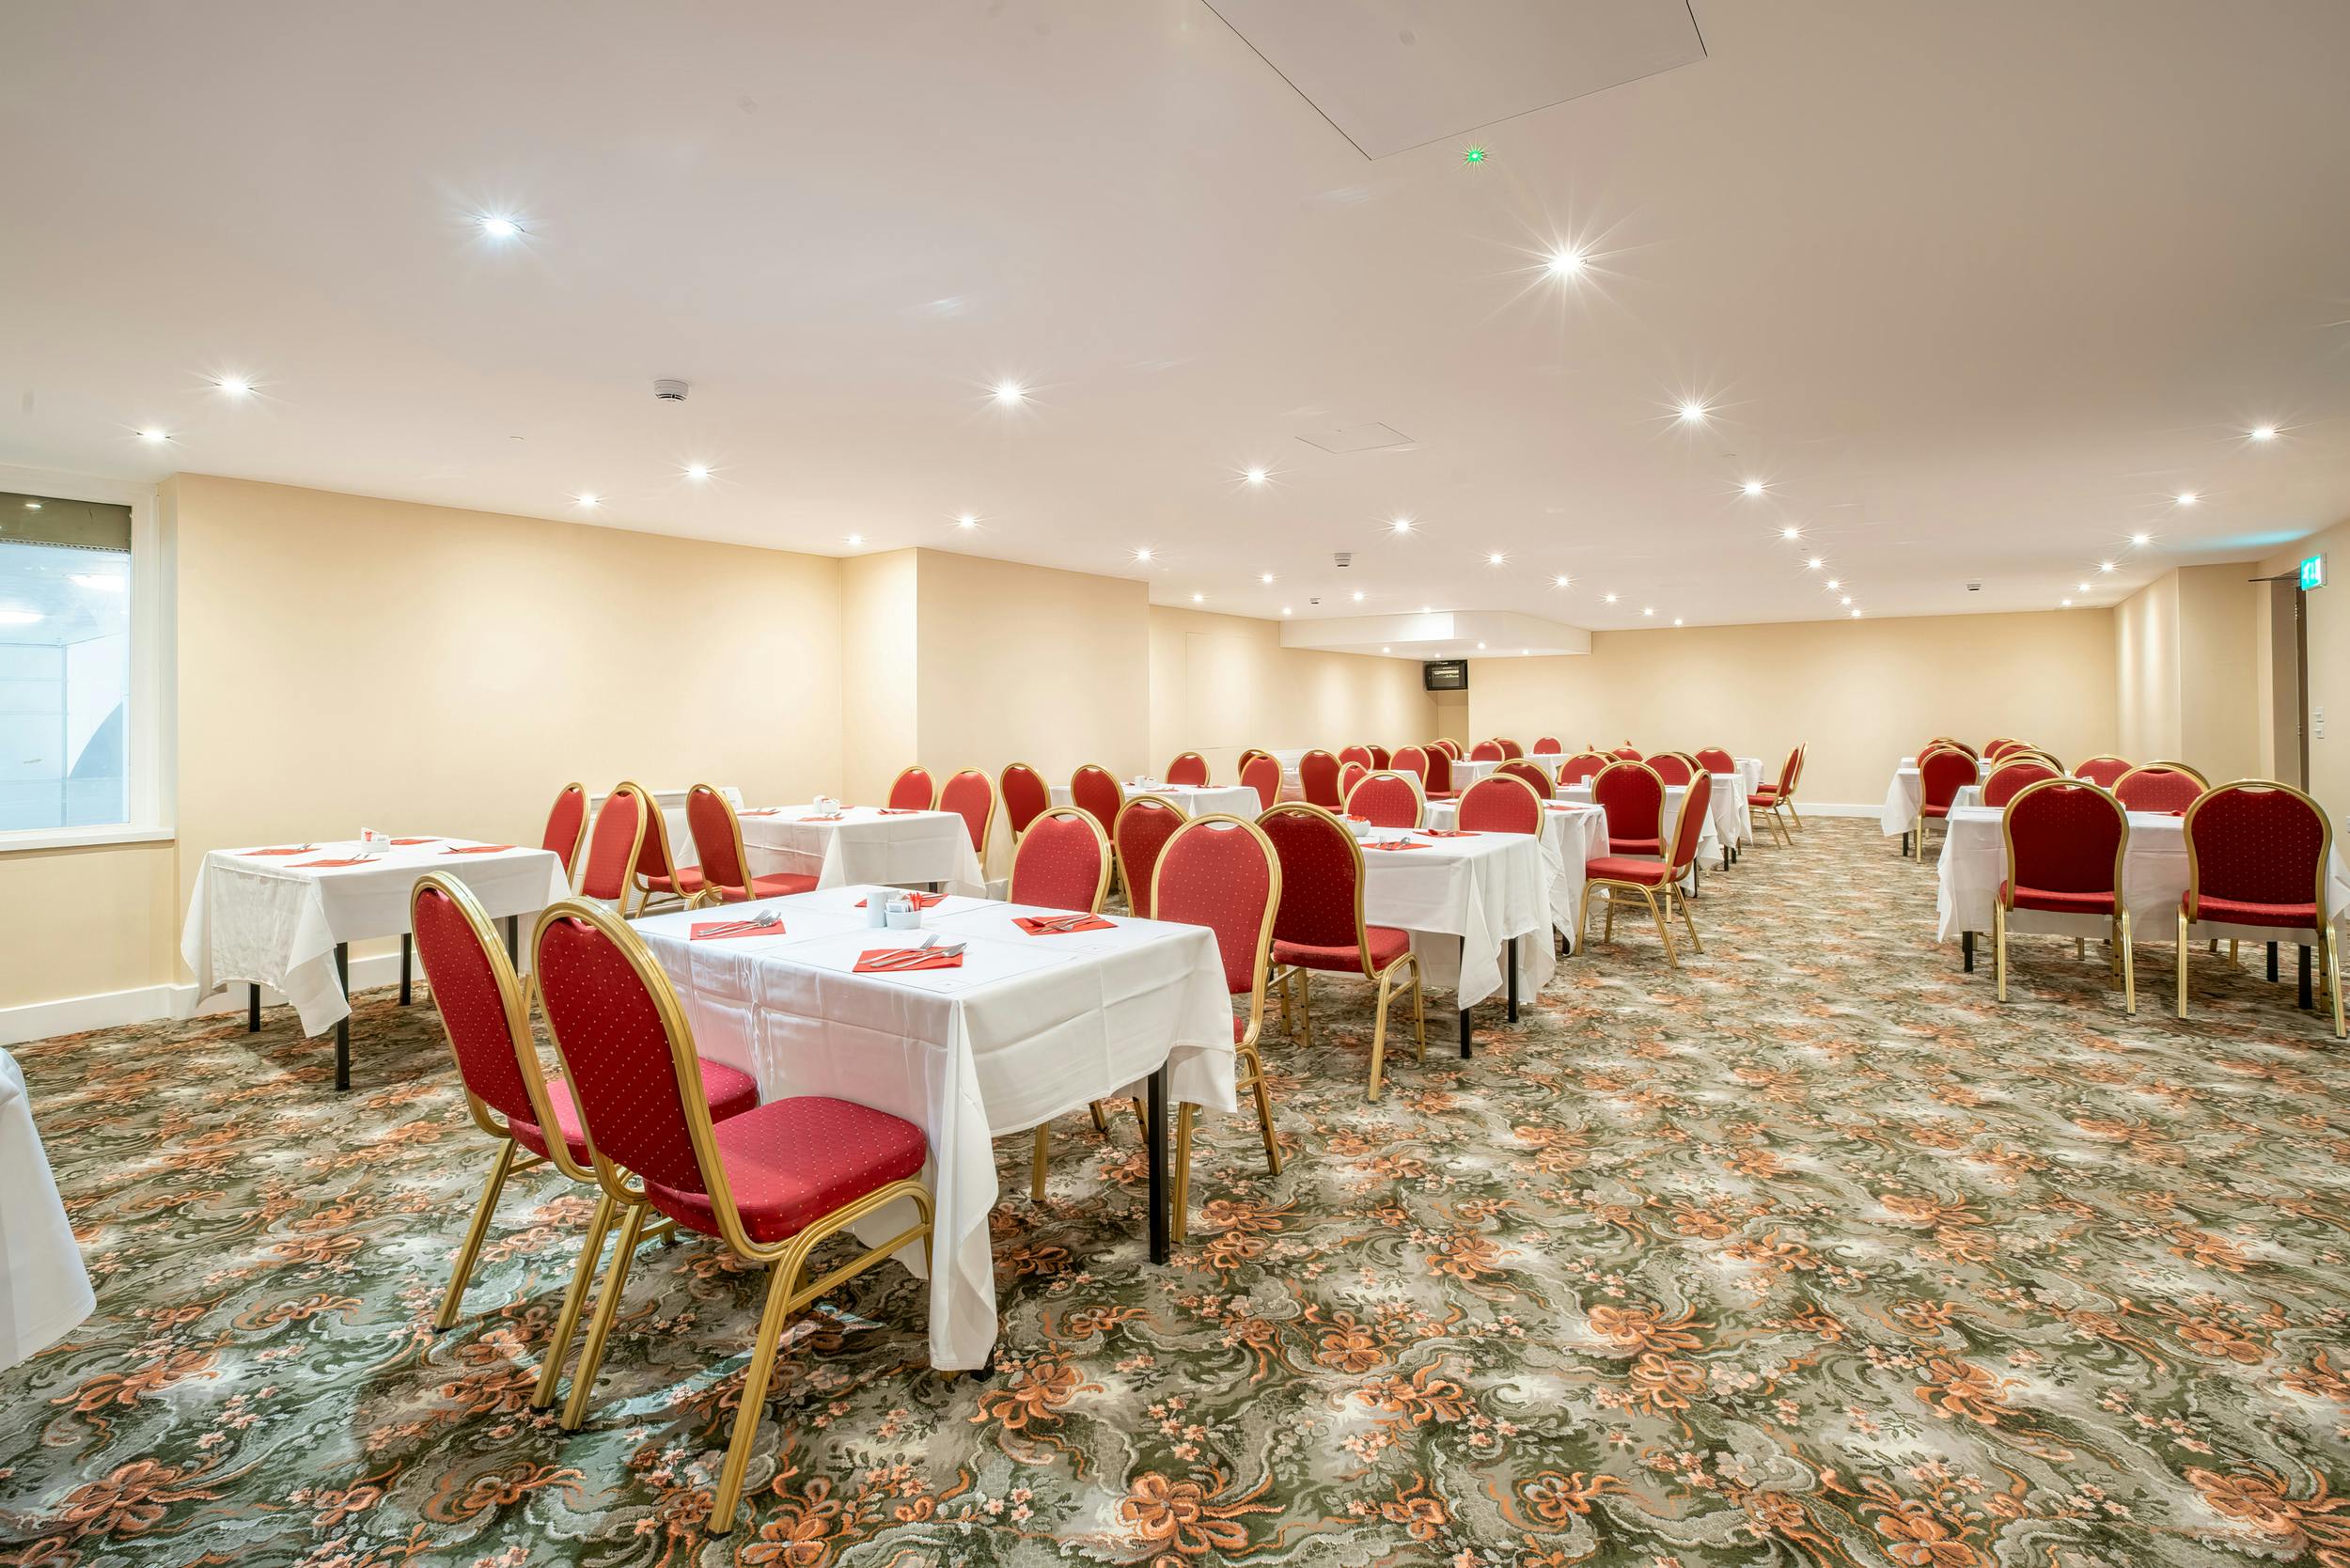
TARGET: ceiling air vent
(669,389)
(1357,438)
(1341,558)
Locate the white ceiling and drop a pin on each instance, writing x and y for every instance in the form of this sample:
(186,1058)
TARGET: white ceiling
(1976,289)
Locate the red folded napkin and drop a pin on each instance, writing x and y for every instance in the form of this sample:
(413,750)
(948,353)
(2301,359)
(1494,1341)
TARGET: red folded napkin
(298,849)
(1059,925)
(468,849)
(761,811)
(919,901)
(902,960)
(1393,844)
(416,840)
(827,817)
(709,931)
(1449,832)
(320,865)
(899,810)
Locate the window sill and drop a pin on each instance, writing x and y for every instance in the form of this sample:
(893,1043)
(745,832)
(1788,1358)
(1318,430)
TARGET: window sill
(82,838)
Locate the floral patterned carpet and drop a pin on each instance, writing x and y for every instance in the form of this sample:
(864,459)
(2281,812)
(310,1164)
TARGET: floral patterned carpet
(1810,1252)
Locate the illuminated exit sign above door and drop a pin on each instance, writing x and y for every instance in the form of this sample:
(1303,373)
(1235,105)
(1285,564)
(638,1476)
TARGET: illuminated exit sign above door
(2312,573)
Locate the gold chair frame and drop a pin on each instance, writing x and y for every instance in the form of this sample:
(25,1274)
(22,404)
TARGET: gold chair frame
(647,808)
(1005,771)
(1118,841)
(1390,987)
(987,823)
(1419,789)
(1674,893)
(2123,954)
(889,795)
(2327,930)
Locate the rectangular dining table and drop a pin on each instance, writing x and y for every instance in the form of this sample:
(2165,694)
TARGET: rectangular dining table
(1027,1029)
(1905,793)
(285,915)
(864,843)
(1193,800)
(1466,903)
(1573,834)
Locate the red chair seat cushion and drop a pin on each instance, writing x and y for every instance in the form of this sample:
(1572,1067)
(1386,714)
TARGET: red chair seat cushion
(688,881)
(1635,846)
(730,1091)
(2056,901)
(791,1162)
(1930,809)
(1239,1029)
(2239,912)
(1444,795)
(1387,944)
(1763,797)
(1617,867)
(775,885)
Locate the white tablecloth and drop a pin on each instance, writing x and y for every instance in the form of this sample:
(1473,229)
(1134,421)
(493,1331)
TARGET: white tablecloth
(1903,795)
(2153,880)
(1465,773)
(269,919)
(1570,835)
(1751,769)
(44,1290)
(672,804)
(1194,800)
(1031,1028)
(867,844)
(1709,833)
(1462,899)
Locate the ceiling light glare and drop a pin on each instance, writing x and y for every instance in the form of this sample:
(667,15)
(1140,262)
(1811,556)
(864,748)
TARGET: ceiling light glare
(235,386)
(1565,264)
(2141,538)
(1692,413)
(497,225)
(153,434)
(1496,559)
(2264,432)
(587,498)
(2188,497)
(1143,554)
(1256,476)
(1754,487)
(1266,578)
(1561,581)
(1010,392)
(1791,533)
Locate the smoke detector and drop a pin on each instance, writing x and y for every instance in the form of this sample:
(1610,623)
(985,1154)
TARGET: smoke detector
(1342,557)
(669,389)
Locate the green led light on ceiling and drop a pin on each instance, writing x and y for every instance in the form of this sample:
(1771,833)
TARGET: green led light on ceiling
(1474,155)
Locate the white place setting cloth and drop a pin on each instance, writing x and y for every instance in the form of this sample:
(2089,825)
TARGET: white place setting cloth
(1905,793)
(2153,880)
(864,843)
(1462,900)
(1193,800)
(44,1290)
(1028,1028)
(683,848)
(1572,835)
(1465,773)
(275,919)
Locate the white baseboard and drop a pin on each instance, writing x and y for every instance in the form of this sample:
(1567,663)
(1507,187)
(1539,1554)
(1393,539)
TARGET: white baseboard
(1827,808)
(147,1004)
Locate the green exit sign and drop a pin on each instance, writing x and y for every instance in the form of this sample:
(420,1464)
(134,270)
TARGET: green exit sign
(2313,573)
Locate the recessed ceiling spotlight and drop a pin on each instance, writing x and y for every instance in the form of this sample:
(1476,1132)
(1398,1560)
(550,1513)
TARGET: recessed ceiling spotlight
(1480,645)
(1754,487)
(1525,652)
(497,225)
(235,386)
(1834,582)
(2141,538)
(2263,432)
(1648,609)
(1285,609)
(2066,604)
(1494,557)
(1856,615)
(1198,597)
(1561,581)
(1846,599)
(1566,262)
(1358,596)
(1813,564)
(587,498)
(151,433)
(1611,599)
(856,539)
(698,472)
(2104,565)
(1676,620)
(1010,392)
(1403,525)
(1266,578)
(1791,533)
(1385,649)
(2188,497)
(1256,476)
(1473,155)
(2080,587)
(1692,413)
(967,520)
(1427,609)
(1143,554)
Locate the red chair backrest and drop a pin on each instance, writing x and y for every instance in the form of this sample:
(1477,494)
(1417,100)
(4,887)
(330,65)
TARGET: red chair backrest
(2104,771)
(1626,753)
(613,847)
(1025,795)
(1145,823)
(1318,780)
(970,795)
(476,994)
(1380,757)
(717,836)
(1536,778)
(1189,767)
(612,1015)
(1388,799)
(2159,787)
(1321,873)
(565,824)
(1689,827)
(1634,799)
(2008,780)
(1547,746)
(1582,765)
(1510,751)
(1488,751)
(1942,774)
(652,855)
(1221,872)
(912,789)
(2256,842)
(1501,802)
(1451,748)
(1714,760)
(1413,761)
(1439,778)
(2065,836)
(1671,767)
(1262,774)
(1789,771)
(1355,754)
(1063,861)
(1350,775)
(1092,791)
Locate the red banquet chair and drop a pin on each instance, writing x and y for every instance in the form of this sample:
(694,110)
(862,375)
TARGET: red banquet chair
(912,789)
(2103,771)
(1449,748)
(1673,767)
(660,880)
(1319,927)
(1997,747)
(1063,861)
(1940,775)
(1650,878)
(2009,779)
(1359,755)
(613,845)
(1189,767)
(1439,779)
(2171,787)
(1318,780)
(1145,823)
(1095,791)
(1951,741)
(1413,761)
(769,1184)
(1773,799)
(1386,800)
(1535,776)
(2066,839)
(1488,751)
(1027,796)
(1221,872)
(1633,797)
(1502,801)
(718,841)
(1262,774)
(1582,767)
(567,826)
(487,1023)
(1510,751)
(1626,753)
(1712,759)
(1381,758)
(2257,857)
(1350,775)
(1547,746)
(971,796)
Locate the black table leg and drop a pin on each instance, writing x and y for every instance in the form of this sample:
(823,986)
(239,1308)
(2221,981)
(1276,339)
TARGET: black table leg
(406,952)
(1512,956)
(342,1025)
(515,939)
(1904,845)
(2272,963)
(1157,1099)
(1967,946)
(253,1008)
(2306,1002)
(1467,1028)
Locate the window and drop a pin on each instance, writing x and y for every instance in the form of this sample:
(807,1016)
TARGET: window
(79,706)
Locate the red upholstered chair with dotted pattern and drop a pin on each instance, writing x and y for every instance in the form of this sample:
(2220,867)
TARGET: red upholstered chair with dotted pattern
(2065,840)
(1350,775)
(1449,748)
(2258,855)
(1712,759)
(2010,779)
(567,825)
(1319,927)
(487,1023)
(1381,758)
(1941,774)
(1025,796)
(1994,750)
(2105,771)
(1776,802)
(1537,778)
(1413,761)
(1488,751)
(614,844)
(1582,767)
(768,1184)
(1504,802)
(1189,767)
(1510,751)
(1664,878)
(1439,779)
(1634,799)
(1093,791)
(718,841)
(1063,862)
(1358,755)
(660,881)
(2170,787)
(1221,872)
(1318,780)
(912,789)
(1673,767)
(1262,774)
(1145,823)
(969,795)
(1386,800)
(1547,746)
(1626,753)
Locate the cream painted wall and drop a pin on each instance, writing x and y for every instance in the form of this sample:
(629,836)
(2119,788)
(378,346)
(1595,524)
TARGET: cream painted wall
(2328,610)
(81,922)
(1220,683)
(881,650)
(2188,658)
(1861,694)
(2146,671)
